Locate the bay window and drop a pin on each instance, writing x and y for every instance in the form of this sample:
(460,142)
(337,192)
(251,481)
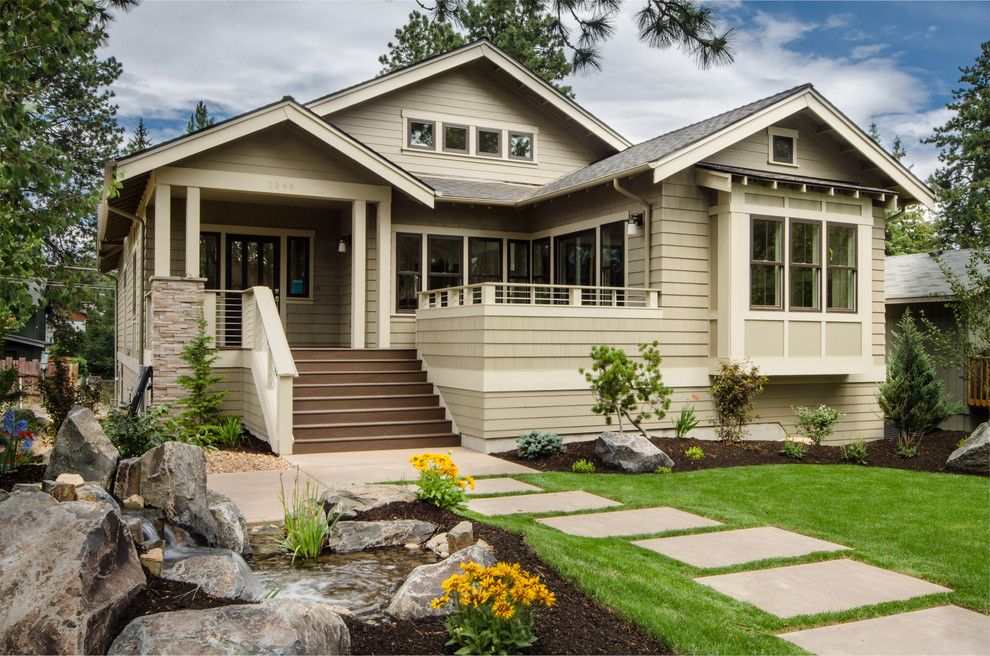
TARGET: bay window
(805,269)
(766,263)
(841,273)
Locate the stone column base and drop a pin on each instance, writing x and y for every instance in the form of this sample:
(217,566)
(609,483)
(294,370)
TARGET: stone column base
(176,306)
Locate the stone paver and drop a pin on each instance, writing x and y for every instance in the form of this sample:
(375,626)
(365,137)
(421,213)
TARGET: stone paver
(540,503)
(501,486)
(946,630)
(256,493)
(743,545)
(823,587)
(628,522)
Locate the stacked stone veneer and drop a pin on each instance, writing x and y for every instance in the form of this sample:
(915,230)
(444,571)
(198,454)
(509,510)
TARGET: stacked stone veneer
(176,307)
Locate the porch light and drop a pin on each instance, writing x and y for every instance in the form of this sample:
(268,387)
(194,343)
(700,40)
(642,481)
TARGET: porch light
(343,243)
(634,224)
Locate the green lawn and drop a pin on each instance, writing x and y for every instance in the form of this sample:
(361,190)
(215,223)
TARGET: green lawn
(934,526)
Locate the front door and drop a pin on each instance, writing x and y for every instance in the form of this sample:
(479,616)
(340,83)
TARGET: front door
(252,261)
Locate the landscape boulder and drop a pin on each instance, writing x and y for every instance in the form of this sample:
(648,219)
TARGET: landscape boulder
(232,531)
(350,499)
(438,544)
(412,600)
(67,573)
(218,572)
(23,501)
(630,453)
(460,537)
(92,493)
(81,447)
(347,537)
(974,455)
(275,627)
(127,482)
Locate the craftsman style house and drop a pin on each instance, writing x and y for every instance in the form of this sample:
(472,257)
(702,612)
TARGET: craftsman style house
(427,258)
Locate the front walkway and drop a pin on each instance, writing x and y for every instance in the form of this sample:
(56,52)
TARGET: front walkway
(257,493)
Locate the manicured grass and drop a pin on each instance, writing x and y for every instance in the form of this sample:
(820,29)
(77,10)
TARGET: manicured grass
(933,526)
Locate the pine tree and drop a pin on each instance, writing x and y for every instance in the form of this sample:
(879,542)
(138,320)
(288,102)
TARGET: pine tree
(140,140)
(420,38)
(199,119)
(201,404)
(913,397)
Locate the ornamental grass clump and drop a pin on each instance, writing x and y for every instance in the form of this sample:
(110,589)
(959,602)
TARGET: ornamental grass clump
(687,420)
(306,522)
(494,608)
(439,482)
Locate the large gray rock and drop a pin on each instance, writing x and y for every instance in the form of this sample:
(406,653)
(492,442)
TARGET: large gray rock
(412,600)
(350,499)
(127,482)
(81,447)
(232,531)
(277,626)
(974,454)
(219,573)
(630,453)
(172,478)
(22,502)
(346,537)
(94,493)
(67,573)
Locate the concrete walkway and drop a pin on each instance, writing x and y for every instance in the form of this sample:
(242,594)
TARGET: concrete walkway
(256,493)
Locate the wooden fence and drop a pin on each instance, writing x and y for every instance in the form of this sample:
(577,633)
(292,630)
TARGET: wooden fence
(29,372)
(978,382)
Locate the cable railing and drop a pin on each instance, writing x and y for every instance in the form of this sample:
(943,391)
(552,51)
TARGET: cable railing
(223,310)
(503,293)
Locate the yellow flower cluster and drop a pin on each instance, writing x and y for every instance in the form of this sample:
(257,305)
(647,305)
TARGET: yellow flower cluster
(504,586)
(443,464)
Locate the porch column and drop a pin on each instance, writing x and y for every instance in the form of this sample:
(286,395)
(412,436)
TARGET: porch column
(359,258)
(192,232)
(163,230)
(384,242)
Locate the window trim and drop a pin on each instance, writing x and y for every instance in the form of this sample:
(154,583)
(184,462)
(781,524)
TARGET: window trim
(220,259)
(501,258)
(477,142)
(308,278)
(854,267)
(532,145)
(773,132)
(467,139)
(426,263)
(800,265)
(781,307)
(410,144)
(418,275)
(528,243)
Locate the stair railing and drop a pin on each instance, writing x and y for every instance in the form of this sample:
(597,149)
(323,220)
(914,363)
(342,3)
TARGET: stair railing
(270,361)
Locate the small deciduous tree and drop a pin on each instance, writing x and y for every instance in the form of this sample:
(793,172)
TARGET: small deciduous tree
(913,397)
(623,387)
(201,404)
(734,391)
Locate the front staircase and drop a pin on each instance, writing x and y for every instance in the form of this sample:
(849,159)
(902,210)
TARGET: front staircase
(361,399)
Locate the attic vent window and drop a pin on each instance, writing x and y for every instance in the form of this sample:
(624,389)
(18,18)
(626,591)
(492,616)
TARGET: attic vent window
(422,134)
(783,146)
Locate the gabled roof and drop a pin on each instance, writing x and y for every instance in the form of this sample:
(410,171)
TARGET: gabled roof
(919,278)
(481,49)
(679,149)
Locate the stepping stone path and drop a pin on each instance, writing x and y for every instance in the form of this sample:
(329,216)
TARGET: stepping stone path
(947,630)
(628,522)
(540,503)
(824,587)
(743,545)
(501,486)
(787,591)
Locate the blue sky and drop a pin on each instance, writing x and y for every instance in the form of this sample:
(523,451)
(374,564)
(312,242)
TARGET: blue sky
(893,62)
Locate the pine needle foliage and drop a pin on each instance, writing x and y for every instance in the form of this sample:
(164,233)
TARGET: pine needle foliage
(623,387)
(201,404)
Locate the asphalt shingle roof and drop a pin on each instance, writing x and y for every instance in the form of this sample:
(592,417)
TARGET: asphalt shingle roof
(653,149)
(919,276)
(478,190)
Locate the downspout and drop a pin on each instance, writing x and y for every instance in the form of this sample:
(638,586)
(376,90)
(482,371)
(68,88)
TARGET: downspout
(647,229)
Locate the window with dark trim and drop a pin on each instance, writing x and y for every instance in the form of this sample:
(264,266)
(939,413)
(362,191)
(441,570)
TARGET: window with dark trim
(445,257)
(489,142)
(297,259)
(541,261)
(781,149)
(575,258)
(209,259)
(421,134)
(805,269)
(766,269)
(612,255)
(521,145)
(484,259)
(518,260)
(455,138)
(408,270)
(841,267)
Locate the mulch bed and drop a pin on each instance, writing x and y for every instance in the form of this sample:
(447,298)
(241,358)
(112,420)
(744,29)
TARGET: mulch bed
(576,624)
(932,454)
(23,474)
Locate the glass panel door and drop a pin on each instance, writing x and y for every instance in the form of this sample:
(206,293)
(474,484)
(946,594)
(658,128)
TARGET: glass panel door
(251,261)
(575,258)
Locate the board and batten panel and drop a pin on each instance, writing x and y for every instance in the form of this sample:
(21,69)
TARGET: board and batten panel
(474,94)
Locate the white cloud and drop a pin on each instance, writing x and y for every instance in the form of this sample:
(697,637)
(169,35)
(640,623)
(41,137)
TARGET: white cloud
(865,52)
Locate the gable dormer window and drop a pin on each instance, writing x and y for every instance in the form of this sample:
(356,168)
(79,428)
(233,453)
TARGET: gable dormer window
(455,138)
(783,146)
(521,145)
(421,134)
(489,142)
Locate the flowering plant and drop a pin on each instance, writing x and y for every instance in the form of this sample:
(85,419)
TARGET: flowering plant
(687,420)
(494,609)
(16,441)
(439,482)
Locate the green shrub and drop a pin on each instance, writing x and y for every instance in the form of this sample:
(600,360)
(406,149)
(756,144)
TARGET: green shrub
(907,451)
(855,452)
(229,432)
(9,392)
(793,450)
(625,388)
(913,397)
(58,393)
(734,390)
(583,466)
(534,444)
(662,470)
(201,403)
(135,434)
(959,444)
(695,453)
(306,522)
(439,482)
(816,423)
(686,420)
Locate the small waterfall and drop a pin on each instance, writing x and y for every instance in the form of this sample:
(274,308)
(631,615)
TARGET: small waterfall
(148,531)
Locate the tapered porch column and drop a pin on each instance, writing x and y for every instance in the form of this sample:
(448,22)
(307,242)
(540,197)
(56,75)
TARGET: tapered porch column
(359,258)
(163,229)
(192,232)
(384,244)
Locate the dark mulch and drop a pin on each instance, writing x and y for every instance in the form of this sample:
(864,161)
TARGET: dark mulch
(250,444)
(23,474)
(932,454)
(576,624)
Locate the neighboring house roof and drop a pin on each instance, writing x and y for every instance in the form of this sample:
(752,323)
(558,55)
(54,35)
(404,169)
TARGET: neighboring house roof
(918,277)
(497,193)
(481,49)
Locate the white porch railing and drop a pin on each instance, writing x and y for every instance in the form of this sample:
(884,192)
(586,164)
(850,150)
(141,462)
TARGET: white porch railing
(499,293)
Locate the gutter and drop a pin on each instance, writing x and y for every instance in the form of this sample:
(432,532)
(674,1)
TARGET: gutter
(647,229)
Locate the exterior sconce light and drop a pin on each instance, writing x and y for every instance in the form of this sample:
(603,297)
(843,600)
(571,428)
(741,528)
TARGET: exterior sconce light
(634,224)
(343,244)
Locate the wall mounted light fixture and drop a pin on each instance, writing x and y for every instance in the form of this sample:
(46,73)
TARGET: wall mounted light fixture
(344,242)
(634,224)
